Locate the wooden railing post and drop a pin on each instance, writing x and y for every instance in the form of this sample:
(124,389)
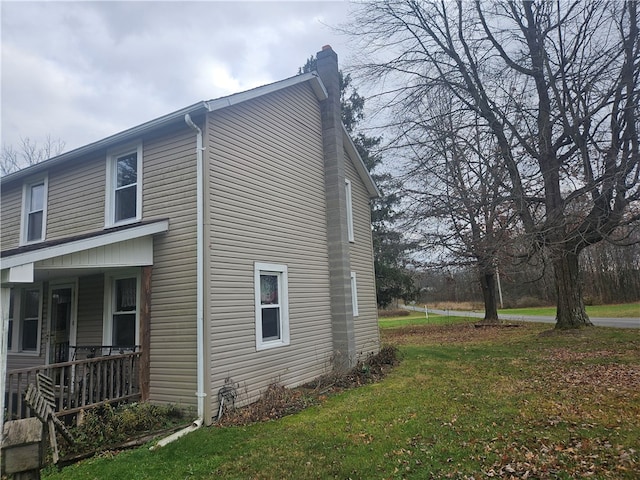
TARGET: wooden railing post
(145,333)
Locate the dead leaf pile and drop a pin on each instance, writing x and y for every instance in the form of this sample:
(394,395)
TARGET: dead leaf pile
(278,401)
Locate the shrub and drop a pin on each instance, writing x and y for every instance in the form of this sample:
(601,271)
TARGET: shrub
(107,426)
(278,400)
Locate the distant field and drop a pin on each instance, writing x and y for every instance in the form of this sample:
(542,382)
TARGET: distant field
(624,310)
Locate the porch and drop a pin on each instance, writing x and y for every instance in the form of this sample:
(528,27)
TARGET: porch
(80,384)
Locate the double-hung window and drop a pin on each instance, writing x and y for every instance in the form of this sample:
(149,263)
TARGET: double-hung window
(34,210)
(347,187)
(124,186)
(124,312)
(25,313)
(272,305)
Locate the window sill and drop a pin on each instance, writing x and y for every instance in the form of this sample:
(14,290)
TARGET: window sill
(270,345)
(23,354)
(32,242)
(131,221)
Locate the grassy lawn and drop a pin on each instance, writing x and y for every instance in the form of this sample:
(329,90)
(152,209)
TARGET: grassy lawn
(419,318)
(525,402)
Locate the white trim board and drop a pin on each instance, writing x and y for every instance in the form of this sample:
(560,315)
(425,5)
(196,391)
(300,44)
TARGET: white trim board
(84,244)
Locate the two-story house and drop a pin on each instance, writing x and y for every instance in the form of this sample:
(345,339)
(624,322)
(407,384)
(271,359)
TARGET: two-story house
(229,239)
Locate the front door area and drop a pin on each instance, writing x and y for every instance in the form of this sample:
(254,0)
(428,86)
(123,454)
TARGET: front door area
(61,315)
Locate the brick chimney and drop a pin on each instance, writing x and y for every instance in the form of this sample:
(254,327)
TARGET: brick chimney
(344,345)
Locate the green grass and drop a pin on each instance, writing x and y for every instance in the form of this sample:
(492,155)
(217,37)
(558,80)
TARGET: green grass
(419,318)
(626,310)
(464,402)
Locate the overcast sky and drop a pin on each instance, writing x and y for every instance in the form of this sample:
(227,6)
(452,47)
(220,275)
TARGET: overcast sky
(80,71)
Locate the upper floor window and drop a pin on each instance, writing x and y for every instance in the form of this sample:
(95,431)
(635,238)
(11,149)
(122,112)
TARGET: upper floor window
(34,210)
(124,186)
(272,305)
(347,186)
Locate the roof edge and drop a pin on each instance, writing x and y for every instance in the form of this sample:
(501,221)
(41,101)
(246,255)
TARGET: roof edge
(106,142)
(204,106)
(316,84)
(370,185)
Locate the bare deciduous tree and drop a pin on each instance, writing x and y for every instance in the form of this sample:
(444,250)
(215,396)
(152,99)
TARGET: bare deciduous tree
(556,84)
(27,153)
(454,191)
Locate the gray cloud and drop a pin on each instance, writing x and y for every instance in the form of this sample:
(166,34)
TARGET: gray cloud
(80,71)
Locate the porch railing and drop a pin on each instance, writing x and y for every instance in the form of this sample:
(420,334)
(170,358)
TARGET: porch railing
(79,385)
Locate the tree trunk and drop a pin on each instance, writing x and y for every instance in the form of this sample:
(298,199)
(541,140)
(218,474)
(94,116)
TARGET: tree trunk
(570,307)
(488,283)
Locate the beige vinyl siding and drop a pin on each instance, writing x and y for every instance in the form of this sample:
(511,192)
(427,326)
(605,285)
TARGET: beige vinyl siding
(10,211)
(76,197)
(361,254)
(90,310)
(267,204)
(75,201)
(169,178)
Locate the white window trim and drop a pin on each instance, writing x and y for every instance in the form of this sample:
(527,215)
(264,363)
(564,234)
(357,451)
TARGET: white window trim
(347,185)
(109,206)
(283,293)
(354,294)
(107,321)
(18,305)
(24,222)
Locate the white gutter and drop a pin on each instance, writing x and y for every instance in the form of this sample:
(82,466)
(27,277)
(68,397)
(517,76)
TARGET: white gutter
(200,393)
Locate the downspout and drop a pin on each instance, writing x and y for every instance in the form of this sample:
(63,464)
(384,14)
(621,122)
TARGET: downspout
(200,393)
(200,267)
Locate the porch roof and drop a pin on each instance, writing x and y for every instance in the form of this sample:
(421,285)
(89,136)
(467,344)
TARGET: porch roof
(129,245)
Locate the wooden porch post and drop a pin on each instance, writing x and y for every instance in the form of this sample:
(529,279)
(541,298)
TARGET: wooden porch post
(145,332)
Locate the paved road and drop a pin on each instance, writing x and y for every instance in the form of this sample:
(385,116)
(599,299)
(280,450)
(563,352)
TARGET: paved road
(599,321)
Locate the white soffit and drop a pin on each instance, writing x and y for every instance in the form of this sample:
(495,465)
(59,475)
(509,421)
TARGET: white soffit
(120,248)
(129,253)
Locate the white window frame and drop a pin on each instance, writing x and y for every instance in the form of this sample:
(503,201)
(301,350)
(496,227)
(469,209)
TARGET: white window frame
(18,321)
(111,182)
(349,200)
(109,302)
(26,208)
(354,294)
(283,296)
(11,323)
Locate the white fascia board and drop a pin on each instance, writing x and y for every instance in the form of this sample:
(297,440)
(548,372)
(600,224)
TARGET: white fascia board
(130,134)
(137,131)
(371,186)
(84,244)
(316,84)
